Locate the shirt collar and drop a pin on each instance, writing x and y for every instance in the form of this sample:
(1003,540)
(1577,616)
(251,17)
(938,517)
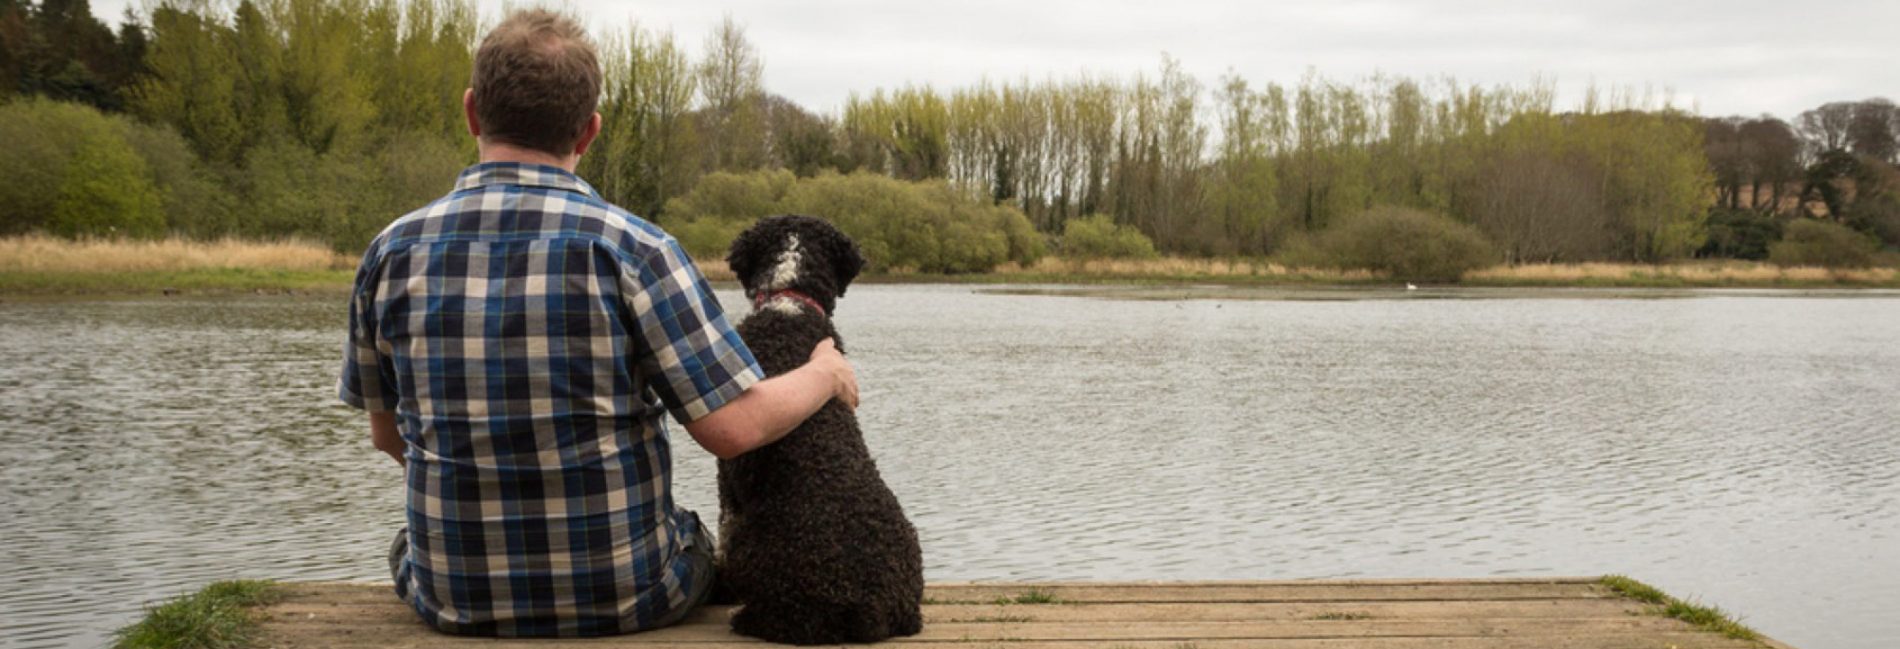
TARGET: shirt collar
(523,174)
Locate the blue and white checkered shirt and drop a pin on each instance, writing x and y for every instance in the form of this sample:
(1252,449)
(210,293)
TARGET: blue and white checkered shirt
(528,335)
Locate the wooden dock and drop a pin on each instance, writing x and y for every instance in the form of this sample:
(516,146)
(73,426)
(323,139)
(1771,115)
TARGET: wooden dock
(1383,614)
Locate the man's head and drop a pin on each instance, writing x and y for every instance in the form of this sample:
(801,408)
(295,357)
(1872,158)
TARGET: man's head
(535,86)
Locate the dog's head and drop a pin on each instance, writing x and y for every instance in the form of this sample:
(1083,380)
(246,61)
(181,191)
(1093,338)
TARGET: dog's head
(800,253)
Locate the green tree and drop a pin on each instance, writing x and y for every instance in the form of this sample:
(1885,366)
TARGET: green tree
(106,192)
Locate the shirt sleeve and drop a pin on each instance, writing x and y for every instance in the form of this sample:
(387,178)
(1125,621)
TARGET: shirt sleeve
(365,383)
(686,350)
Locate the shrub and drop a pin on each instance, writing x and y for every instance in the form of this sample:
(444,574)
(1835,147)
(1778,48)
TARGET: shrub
(728,196)
(106,192)
(1740,234)
(1812,242)
(1405,244)
(40,140)
(1098,237)
(927,226)
(196,203)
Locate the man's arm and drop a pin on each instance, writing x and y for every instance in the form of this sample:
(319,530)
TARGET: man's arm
(773,407)
(383,435)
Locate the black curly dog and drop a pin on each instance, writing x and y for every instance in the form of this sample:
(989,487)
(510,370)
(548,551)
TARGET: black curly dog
(815,546)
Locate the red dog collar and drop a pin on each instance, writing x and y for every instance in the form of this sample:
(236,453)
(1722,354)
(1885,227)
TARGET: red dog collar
(759,302)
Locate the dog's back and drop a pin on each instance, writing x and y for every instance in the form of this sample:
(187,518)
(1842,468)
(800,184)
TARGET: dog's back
(815,546)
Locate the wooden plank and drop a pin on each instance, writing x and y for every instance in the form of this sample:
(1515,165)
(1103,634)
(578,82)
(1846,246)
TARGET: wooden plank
(1205,592)
(1274,592)
(1121,612)
(1053,631)
(1659,641)
(1381,614)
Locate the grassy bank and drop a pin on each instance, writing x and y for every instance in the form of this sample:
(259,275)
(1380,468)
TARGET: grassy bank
(44,266)
(37,265)
(1707,618)
(218,617)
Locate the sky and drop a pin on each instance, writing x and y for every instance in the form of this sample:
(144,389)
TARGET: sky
(1740,57)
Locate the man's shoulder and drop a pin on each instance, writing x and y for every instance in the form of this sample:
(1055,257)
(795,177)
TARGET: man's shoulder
(566,214)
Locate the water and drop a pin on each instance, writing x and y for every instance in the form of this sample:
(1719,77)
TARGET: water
(1737,447)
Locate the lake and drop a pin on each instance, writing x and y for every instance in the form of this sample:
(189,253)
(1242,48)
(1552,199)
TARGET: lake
(1739,447)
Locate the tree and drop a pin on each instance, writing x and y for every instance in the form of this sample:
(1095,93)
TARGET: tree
(1870,131)
(648,150)
(731,80)
(1826,128)
(1241,193)
(1543,207)
(107,192)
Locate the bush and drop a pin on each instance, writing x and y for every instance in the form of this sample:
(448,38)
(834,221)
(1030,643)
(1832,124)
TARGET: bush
(196,203)
(1740,234)
(40,142)
(1812,242)
(106,192)
(1405,244)
(1098,237)
(926,226)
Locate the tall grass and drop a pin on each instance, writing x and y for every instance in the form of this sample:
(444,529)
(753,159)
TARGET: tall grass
(1727,273)
(1176,268)
(44,254)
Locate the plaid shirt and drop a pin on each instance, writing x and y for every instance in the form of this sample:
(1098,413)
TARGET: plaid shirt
(528,336)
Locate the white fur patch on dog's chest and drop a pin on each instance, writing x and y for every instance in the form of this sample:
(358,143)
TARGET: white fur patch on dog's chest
(785,305)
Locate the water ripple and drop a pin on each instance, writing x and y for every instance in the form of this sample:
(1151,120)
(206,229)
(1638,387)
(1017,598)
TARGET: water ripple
(1740,449)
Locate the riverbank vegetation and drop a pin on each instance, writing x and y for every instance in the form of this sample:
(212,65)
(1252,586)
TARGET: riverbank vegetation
(44,265)
(50,266)
(320,120)
(1707,618)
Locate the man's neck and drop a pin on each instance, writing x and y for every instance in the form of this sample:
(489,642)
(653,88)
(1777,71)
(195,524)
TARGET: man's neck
(503,152)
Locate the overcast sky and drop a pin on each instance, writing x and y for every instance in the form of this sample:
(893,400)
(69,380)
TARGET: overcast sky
(1720,58)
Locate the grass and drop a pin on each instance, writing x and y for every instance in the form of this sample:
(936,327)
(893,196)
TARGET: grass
(217,617)
(1031,596)
(1707,618)
(40,265)
(1681,274)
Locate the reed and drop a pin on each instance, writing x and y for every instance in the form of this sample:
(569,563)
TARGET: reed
(44,254)
(1721,273)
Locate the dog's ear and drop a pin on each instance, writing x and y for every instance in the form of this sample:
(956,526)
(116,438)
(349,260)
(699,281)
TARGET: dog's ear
(847,260)
(748,251)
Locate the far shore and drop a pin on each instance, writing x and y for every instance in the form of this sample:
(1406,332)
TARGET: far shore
(45,267)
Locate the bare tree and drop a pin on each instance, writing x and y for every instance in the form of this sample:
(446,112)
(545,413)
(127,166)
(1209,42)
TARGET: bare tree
(732,82)
(1540,208)
(1871,130)
(1825,128)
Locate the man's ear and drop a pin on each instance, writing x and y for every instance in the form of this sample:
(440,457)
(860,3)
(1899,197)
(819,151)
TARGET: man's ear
(468,113)
(588,133)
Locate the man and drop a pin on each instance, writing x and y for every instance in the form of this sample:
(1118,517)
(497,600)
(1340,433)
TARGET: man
(515,344)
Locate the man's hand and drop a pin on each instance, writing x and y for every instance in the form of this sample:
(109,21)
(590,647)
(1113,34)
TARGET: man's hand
(826,357)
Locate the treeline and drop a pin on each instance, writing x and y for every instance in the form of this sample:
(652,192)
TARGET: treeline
(325,118)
